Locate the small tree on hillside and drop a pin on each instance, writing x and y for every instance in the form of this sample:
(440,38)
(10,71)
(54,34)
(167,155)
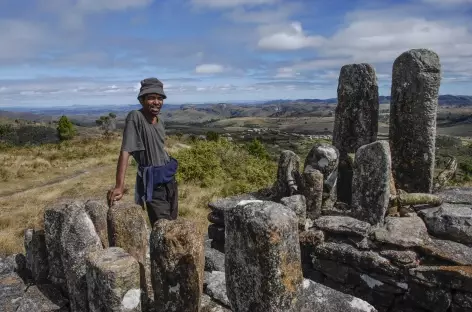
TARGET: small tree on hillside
(212,136)
(65,129)
(257,149)
(107,123)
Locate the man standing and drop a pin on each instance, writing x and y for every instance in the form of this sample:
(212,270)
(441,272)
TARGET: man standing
(143,138)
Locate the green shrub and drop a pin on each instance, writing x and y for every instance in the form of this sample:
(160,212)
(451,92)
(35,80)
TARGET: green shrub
(223,163)
(257,149)
(65,128)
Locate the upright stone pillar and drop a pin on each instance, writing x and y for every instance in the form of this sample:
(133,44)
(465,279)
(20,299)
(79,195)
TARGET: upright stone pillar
(371,182)
(356,119)
(262,257)
(416,78)
(177,265)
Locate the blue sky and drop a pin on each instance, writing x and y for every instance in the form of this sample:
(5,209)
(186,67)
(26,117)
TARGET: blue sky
(89,52)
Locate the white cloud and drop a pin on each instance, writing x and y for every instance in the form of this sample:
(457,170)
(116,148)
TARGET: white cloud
(447,2)
(292,38)
(223,4)
(110,5)
(209,69)
(281,12)
(21,39)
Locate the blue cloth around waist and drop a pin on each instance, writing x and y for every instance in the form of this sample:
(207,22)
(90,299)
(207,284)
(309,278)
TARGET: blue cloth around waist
(153,175)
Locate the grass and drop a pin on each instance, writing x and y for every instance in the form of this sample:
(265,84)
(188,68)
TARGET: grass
(85,169)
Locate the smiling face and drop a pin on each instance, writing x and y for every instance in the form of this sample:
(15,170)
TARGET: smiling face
(152,103)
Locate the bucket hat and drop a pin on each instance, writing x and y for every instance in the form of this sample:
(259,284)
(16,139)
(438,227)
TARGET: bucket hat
(151,85)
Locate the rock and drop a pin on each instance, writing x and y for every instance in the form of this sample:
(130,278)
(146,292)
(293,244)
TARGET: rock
(208,305)
(216,232)
(462,299)
(371,182)
(54,217)
(219,206)
(368,261)
(313,192)
(262,257)
(127,229)
(213,217)
(297,203)
(46,297)
(403,232)
(431,299)
(455,277)
(113,280)
(357,112)
(215,287)
(453,222)
(311,237)
(78,238)
(98,212)
(456,195)
(325,158)
(288,173)
(36,255)
(27,305)
(416,77)
(214,259)
(342,225)
(449,251)
(12,289)
(317,297)
(177,265)
(401,258)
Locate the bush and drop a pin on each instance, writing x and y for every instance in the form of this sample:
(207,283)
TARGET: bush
(212,136)
(65,129)
(257,149)
(223,163)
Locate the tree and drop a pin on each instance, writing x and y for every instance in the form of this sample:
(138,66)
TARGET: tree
(212,136)
(65,129)
(107,123)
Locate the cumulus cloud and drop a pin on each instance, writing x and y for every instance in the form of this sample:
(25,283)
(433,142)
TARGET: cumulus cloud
(209,69)
(292,38)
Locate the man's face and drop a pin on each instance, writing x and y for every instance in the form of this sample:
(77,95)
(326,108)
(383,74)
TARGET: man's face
(152,103)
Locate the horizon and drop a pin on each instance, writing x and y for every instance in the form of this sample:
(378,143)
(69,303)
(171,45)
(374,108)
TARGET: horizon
(94,53)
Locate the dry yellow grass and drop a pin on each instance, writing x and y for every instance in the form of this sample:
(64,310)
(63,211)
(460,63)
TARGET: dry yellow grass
(29,170)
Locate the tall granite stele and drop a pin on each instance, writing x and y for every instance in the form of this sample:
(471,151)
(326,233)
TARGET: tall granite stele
(416,79)
(356,119)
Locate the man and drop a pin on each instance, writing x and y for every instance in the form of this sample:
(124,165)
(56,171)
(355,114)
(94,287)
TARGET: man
(143,138)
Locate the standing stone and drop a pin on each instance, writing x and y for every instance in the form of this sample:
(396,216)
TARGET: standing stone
(97,212)
(127,229)
(113,281)
(313,191)
(325,158)
(371,182)
(288,173)
(36,255)
(357,113)
(297,203)
(78,238)
(263,263)
(177,265)
(356,119)
(53,222)
(416,79)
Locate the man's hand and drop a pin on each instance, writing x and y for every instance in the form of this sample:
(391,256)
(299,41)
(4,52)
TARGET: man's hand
(114,195)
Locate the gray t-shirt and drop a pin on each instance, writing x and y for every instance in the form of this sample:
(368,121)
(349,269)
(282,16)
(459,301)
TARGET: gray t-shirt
(144,140)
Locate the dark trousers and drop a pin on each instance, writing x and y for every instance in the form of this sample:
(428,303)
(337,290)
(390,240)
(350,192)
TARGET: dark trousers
(164,203)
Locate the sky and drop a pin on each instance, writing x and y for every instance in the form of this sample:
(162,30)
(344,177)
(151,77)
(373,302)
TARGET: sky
(96,52)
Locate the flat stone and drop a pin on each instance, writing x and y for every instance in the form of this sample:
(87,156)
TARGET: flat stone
(262,257)
(177,265)
(357,112)
(209,305)
(455,277)
(416,78)
(403,232)
(317,297)
(363,260)
(220,205)
(12,290)
(46,297)
(456,195)
(371,182)
(215,287)
(448,250)
(342,225)
(113,281)
(214,259)
(401,258)
(296,203)
(449,221)
(431,299)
